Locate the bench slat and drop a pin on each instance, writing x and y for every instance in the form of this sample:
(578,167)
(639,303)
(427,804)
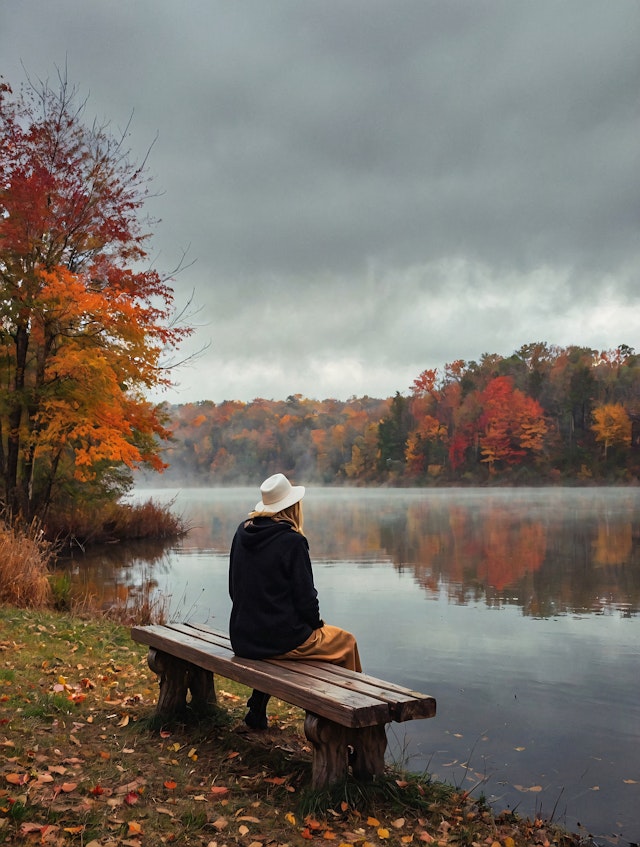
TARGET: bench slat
(404,703)
(349,708)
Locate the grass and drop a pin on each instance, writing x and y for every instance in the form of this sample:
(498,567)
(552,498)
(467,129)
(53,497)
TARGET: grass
(24,567)
(83,762)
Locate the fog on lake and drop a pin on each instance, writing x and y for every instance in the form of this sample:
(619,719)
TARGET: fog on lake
(517,609)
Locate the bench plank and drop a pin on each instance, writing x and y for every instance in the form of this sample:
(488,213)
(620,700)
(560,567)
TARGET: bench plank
(404,703)
(349,708)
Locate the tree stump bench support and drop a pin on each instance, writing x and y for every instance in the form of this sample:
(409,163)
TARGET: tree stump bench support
(346,712)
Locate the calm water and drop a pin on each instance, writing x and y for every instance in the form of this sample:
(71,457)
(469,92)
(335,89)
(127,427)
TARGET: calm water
(517,609)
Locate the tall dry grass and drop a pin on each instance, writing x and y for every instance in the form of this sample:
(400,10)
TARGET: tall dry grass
(99,523)
(25,558)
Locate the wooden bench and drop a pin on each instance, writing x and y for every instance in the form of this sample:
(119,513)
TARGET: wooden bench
(346,712)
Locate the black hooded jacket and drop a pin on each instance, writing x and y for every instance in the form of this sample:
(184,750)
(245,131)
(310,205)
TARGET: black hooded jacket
(275,603)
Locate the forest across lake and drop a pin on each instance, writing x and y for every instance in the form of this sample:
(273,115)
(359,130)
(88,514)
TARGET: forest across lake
(544,414)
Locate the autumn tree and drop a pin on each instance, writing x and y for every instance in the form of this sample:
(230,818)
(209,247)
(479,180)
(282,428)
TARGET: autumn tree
(612,426)
(512,424)
(84,321)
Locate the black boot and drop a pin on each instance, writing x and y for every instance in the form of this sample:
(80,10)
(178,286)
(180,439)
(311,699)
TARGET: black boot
(256,717)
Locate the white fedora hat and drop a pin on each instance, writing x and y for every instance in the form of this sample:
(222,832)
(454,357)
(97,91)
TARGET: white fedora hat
(278,494)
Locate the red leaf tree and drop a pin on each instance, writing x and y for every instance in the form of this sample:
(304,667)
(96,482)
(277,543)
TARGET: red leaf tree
(83,327)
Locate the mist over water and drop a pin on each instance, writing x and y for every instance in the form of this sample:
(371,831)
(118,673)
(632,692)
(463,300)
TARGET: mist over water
(517,609)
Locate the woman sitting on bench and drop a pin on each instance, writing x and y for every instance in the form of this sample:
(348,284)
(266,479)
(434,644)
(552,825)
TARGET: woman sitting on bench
(275,611)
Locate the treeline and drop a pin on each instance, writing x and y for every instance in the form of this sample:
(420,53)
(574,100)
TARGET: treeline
(544,414)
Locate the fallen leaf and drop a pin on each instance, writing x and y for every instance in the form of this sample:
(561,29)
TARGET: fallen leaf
(249,819)
(124,721)
(219,790)
(135,828)
(373,822)
(132,798)
(383,833)
(290,818)
(17,778)
(398,823)
(68,787)
(276,780)
(220,824)
(170,784)
(243,830)
(630,781)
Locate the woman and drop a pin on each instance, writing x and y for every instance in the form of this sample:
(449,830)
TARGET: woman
(275,611)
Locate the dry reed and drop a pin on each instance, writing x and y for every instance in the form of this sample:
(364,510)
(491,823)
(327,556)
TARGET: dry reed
(25,557)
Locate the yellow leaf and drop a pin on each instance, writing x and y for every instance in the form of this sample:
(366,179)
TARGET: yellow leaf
(291,818)
(135,828)
(373,822)
(383,833)
(509,842)
(407,839)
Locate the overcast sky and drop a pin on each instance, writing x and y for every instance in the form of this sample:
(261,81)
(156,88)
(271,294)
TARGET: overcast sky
(367,188)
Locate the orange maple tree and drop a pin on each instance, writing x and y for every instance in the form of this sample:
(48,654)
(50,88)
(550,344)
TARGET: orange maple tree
(84,327)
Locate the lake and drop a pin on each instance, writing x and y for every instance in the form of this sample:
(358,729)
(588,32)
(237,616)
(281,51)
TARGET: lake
(517,609)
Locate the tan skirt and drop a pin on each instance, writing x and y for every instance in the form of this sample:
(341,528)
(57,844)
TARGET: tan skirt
(329,644)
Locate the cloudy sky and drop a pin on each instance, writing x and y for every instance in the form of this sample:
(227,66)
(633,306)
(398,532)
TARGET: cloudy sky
(369,188)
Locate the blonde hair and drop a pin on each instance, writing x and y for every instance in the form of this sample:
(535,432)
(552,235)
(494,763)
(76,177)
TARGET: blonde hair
(291,515)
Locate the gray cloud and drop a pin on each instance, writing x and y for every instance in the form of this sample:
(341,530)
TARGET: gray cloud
(370,188)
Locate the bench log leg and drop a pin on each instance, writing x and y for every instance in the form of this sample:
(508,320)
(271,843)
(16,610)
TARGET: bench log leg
(369,745)
(330,745)
(177,677)
(337,747)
